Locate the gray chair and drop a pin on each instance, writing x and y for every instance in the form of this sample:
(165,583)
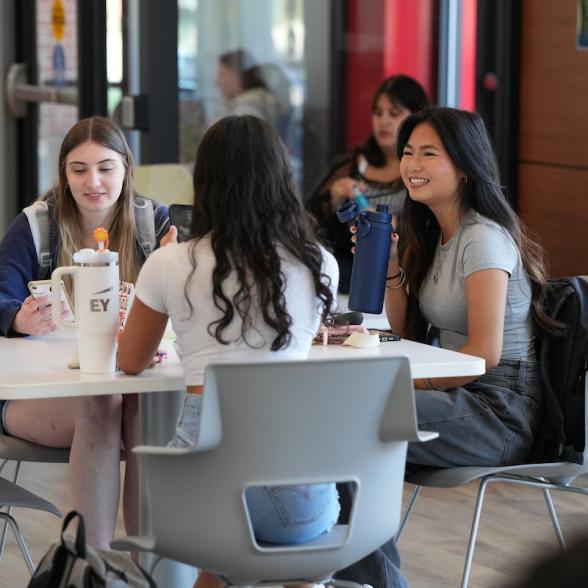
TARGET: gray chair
(11,495)
(283,423)
(545,476)
(168,183)
(19,450)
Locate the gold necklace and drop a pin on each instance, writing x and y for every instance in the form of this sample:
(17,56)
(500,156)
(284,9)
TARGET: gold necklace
(439,258)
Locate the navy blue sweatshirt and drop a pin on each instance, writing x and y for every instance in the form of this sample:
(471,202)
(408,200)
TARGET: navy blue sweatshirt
(19,265)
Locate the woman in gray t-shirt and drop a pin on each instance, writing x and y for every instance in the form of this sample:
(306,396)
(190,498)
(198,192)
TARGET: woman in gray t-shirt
(466,274)
(474,281)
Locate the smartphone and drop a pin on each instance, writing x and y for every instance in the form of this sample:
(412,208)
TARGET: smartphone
(180,215)
(386,335)
(39,288)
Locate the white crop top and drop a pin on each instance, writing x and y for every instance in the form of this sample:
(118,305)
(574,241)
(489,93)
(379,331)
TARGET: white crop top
(160,286)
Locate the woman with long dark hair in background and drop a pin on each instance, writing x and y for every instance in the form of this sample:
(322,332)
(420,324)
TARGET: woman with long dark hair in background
(372,169)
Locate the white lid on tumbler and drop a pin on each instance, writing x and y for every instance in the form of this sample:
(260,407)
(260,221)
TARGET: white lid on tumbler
(99,257)
(93,257)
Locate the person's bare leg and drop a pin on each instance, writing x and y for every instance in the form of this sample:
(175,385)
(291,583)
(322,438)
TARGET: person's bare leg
(207,580)
(130,438)
(91,426)
(95,465)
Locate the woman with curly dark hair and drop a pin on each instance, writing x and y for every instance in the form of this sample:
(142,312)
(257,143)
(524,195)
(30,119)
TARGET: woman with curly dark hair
(251,284)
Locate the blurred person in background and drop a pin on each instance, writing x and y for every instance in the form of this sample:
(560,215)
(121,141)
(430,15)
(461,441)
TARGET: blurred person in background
(372,169)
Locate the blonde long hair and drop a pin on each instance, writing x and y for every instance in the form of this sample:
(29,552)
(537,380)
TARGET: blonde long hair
(106,133)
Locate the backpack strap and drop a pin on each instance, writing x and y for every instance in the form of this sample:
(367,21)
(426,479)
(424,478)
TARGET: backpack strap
(145,224)
(80,541)
(38,216)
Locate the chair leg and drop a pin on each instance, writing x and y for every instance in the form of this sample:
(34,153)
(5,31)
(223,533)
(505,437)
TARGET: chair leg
(474,533)
(407,512)
(554,519)
(344,584)
(9,509)
(20,540)
(154,563)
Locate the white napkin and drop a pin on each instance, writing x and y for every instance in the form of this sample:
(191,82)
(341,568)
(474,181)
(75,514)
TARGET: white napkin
(362,340)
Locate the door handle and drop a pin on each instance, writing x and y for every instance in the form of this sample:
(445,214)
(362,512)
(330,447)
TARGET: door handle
(19,92)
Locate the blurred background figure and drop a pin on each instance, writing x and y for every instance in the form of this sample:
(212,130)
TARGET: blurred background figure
(371,170)
(245,90)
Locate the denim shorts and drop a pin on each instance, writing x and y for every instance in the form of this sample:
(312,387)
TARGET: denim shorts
(279,514)
(3,408)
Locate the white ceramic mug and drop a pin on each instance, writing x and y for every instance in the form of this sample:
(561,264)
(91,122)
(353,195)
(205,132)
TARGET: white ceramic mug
(96,307)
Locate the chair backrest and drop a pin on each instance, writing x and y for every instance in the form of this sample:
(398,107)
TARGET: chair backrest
(284,423)
(168,183)
(563,360)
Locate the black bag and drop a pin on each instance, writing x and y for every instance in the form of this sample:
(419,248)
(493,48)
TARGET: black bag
(70,563)
(563,361)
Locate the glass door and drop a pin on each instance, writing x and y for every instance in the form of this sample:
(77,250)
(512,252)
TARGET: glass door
(253,57)
(48,89)
(57,67)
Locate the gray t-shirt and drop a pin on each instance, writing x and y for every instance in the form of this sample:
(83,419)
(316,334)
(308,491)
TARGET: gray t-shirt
(479,244)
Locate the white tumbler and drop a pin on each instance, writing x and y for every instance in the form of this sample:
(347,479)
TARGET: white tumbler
(96,309)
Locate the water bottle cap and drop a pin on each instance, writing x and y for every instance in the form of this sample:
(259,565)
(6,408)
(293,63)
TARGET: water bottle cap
(347,212)
(380,215)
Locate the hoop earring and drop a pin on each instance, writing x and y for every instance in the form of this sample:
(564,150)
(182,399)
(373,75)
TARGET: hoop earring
(464,179)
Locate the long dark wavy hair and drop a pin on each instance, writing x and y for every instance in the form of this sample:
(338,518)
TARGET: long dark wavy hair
(246,202)
(466,140)
(402,91)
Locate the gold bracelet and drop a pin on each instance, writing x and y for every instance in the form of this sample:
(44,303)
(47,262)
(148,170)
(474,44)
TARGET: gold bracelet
(401,280)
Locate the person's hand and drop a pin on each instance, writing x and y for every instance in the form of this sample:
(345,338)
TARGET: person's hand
(393,260)
(337,334)
(393,263)
(347,329)
(34,317)
(345,188)
(170,237)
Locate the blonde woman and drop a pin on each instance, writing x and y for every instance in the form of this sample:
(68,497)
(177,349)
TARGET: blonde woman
(95,188)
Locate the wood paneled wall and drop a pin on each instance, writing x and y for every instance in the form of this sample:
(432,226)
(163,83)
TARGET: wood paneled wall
(553,134)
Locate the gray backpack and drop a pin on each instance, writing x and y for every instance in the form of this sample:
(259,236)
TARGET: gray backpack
(70,563)
(38,216)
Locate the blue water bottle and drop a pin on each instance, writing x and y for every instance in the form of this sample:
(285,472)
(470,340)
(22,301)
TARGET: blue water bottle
(372,251)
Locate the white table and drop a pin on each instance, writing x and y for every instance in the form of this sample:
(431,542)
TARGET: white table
(370,321)
(425,361)
(36,367)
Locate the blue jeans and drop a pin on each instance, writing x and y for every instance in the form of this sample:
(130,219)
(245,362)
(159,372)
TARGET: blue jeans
(279,514)
(292,514)
(487,422)
(3,408)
